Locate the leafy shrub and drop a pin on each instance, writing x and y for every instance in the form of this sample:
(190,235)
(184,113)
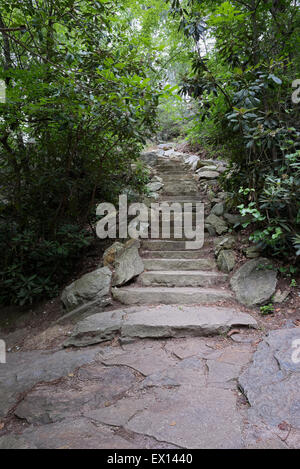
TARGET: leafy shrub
(79,107)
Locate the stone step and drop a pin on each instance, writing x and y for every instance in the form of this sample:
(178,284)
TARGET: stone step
(175,168)
(167,245)
(197,278)
(168,296)
(158,322)
(179,264)
(181,199)
(183,207)
(174,254)
(170,189)
(174,178)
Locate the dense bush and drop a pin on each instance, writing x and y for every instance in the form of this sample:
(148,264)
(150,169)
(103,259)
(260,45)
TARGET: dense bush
(78,110)
(243,87)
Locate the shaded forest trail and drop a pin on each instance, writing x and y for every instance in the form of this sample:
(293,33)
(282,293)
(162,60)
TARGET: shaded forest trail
(173,368)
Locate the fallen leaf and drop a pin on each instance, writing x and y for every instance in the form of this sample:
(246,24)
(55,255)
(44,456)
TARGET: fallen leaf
(71,375)
(1,425)
(284,426)
(232,332)
(172,424)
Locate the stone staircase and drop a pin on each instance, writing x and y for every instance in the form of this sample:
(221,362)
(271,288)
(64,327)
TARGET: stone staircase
(174,275)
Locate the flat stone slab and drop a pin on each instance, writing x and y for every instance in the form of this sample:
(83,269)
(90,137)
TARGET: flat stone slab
(25,369)
(207,419)
(170,296)
(96,386)
(182,278)
(77,433)
(272,381)
(162,322)
(179,264)
(149,359)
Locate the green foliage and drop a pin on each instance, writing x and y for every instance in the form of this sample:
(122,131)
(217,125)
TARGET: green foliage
(267,309)
(243,86)
(80,106)
(51,261)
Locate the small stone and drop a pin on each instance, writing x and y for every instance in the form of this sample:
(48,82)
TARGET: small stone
(154,186)
(209,175)
(217,223)
(226,261)
(226,242)
(281,296)
(206,168)
(218,209)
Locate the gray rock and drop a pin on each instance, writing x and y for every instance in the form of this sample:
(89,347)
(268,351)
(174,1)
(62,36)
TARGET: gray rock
(207,168)
(94,286)
(150,158)
(151,359)
(272,381)
(78,433)
(221,373)
(208,175)
(218,209)
(254,283)
(281,296)
(226,261)
(165,321)
(119,414)
(210,229)
(154,195)
(183,321)
(96,386)
(128,263)
(156,179)
(226,242)
(192,161)
(154,186)
(166,146)
(214,425)
(217,223)
(96,329)
(236,220)
(191,370)
(14,442)
(25,369)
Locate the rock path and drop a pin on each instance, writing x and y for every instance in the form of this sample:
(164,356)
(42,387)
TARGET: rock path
(161,372)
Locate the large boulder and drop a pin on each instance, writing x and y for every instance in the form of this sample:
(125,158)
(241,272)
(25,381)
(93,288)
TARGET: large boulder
(217,223)
(125,261)
(254,283)
(92,287)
